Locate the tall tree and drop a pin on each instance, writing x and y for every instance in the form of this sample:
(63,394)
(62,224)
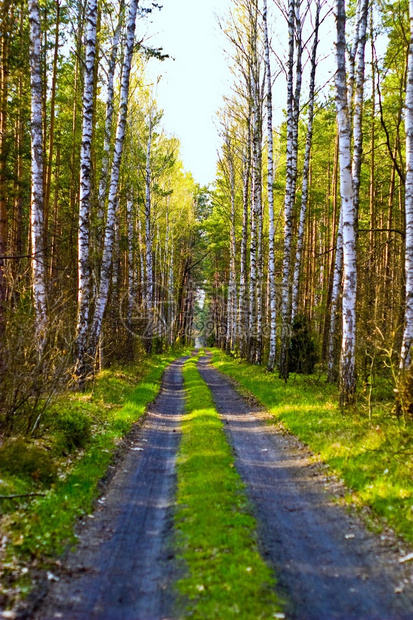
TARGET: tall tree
(306,166)
(37,175)
(408,321)
(293,111)
(84,267)
(270,190)
(103,290)
(348,352)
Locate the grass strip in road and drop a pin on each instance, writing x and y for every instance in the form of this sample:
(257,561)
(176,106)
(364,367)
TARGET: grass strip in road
(225,575)
(38,529)
(372,454)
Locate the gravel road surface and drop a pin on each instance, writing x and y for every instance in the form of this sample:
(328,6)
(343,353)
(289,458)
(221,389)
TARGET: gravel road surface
(123,566)
(327,564)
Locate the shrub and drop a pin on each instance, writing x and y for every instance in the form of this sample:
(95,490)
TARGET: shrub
(73,428)
(302,353)
(18,457)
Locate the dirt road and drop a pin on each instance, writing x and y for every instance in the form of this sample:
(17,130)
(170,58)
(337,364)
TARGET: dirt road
(327,565)
(123,566)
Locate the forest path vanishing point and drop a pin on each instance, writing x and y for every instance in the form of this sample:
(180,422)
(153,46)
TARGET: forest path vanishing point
(327,565)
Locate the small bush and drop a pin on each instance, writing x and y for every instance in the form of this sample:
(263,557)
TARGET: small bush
(73,428)
(20,458)
(302,356)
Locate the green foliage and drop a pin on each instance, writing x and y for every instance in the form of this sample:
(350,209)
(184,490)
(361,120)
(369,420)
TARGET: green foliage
(225,577)
(18,457)
(74,429)
(373,453)
(302,356)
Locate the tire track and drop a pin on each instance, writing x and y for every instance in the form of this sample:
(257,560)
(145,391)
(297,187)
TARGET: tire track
(122,568)
(326,563)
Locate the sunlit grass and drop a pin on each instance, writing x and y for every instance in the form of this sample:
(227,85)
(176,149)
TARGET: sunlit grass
(225,575)
(372,454)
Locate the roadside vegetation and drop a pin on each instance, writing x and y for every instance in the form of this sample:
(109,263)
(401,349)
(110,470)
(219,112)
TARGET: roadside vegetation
(225,576)
(52,479)
(369,447)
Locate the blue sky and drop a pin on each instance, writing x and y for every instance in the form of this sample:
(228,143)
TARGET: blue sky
(193,84)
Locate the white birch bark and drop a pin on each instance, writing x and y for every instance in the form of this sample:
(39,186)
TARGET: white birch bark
(255,351)
(232,293)
(348,348)
(408,319)
(335,298)
(84,268)
(148,232)
(243,278)
(358,99)
(254,229)
(306,168)
(103,183)
(270,190)
(37,177)
(131,259)
(103,290)
(259,215)
(292,134)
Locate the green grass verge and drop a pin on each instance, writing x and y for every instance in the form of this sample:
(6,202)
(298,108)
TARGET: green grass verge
(39,529)
(372,454)
(225,575)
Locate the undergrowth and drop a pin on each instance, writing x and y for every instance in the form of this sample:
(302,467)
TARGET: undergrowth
(225,575)
(63,465)
(372,451)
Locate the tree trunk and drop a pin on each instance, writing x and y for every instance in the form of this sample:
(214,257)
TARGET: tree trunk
(149,281)
(408,321)
(348,349)
(103,183)
(306,168)
(270,189)
(103,290)
(242,321)
(37,177)
(293,107)
(84,270)
(3,185)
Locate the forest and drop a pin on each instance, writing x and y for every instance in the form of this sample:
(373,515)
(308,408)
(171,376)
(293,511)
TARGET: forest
(101,228)
(294,268)
(301,251)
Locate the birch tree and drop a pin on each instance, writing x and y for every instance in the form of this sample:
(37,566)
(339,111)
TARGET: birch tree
(348,349)
(255,348)
(103,290)
(270,190)
(110,97)
(306,166)
(408,321)
(37,176)
(293,109)
(148,229)
(232,289)
(242,322)
(84,267)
